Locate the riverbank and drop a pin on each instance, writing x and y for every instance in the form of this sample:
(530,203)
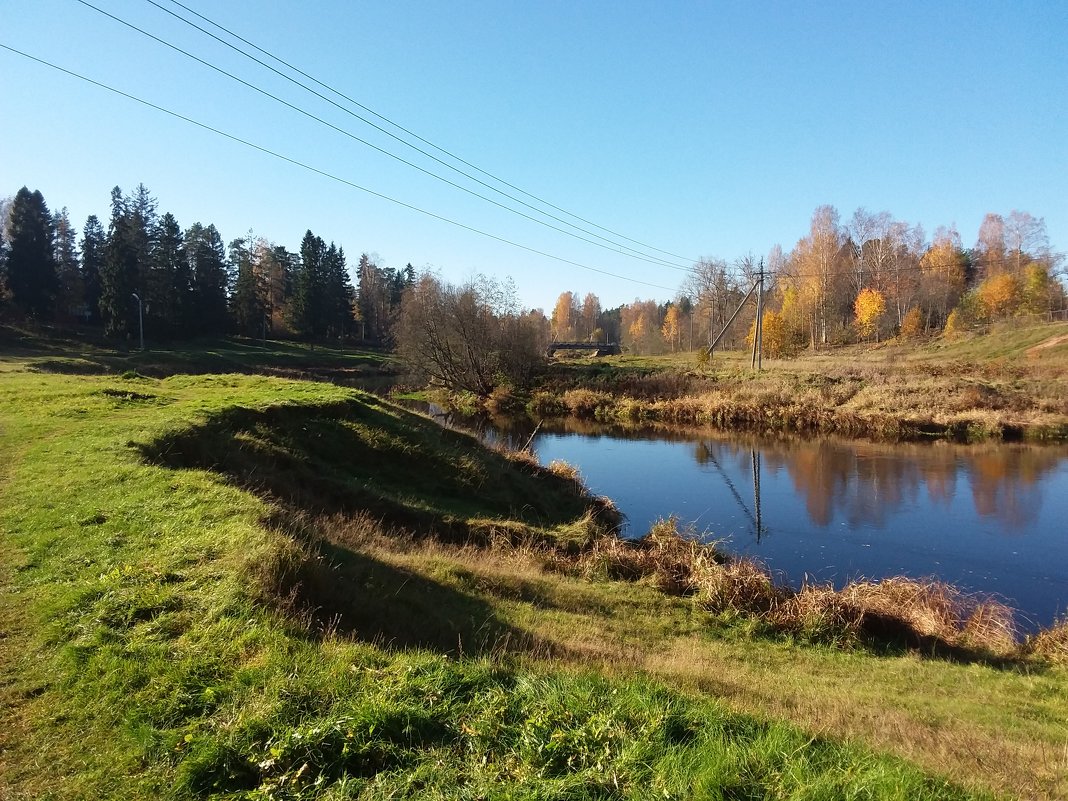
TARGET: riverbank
(1008,384)
(241,586)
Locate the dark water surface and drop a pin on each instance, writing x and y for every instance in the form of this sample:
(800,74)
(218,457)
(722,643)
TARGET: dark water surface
(991,519)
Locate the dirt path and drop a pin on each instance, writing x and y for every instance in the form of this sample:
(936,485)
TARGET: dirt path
(1049,343)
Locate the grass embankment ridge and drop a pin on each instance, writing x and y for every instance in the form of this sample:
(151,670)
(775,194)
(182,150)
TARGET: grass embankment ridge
(172,545)
(1007,384)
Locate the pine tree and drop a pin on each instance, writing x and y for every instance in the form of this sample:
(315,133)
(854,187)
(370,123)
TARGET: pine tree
(94,246)
(31,264)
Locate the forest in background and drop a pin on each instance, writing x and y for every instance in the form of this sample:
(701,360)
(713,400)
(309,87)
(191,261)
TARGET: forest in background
(866,280)
(870,279)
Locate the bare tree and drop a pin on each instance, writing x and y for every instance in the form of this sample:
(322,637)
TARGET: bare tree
(470,337)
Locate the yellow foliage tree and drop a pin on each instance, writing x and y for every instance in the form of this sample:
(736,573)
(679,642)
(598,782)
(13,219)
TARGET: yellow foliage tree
(637,329)
(1000,295)
(780,340)
(869,308)
(1036,287)
(955,324)
(670,329)
(912,325)
(563,322)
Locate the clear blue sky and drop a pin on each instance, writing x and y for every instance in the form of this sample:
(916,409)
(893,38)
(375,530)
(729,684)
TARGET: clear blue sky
(704,129)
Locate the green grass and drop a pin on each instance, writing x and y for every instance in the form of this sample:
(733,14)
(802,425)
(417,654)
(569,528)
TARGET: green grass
(239,586)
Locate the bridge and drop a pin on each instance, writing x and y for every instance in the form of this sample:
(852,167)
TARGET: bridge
(600,348)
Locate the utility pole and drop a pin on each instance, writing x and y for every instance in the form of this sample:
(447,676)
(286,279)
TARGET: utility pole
(758,326)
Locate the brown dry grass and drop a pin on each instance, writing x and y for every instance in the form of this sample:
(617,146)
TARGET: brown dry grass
(981,388)
(1050,644)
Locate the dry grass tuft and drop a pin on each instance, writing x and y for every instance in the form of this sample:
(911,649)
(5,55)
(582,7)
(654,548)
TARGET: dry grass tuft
(1050,644)
(565,470)
(915,611)
(894,610)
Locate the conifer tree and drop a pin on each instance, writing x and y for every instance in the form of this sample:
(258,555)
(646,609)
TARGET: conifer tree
(339,293)
(94,245)
(70,296)
(168,286)
(31,264)
(307,312)
(247,307)
(119,273)
(207,259)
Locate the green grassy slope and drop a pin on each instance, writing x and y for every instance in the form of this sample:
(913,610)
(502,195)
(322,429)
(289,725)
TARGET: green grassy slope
(207,594)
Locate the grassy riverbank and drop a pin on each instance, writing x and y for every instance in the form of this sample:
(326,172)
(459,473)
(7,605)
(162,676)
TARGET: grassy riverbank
(243,586)
(1005,384)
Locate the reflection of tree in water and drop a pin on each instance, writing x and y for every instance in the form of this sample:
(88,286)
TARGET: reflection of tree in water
(1005,485)
(867,481)
(863,481)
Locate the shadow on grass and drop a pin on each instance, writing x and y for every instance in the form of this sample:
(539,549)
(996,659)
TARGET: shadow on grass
(86,354)
(340,589)
(368,456)
(344,472)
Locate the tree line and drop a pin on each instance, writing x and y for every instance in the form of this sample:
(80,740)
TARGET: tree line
(869,279)
(185,282)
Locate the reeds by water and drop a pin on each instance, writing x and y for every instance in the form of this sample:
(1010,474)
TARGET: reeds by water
(923,613)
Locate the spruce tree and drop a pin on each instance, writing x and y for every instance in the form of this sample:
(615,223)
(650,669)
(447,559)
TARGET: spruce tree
(339,293)
(307,307)
(119,274)
(94,245)
(31,264)
(168,276)
(247,309)
(207,258)
(70,299)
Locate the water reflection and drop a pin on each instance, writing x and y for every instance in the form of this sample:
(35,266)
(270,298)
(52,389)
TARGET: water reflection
(865,482)
(988,518)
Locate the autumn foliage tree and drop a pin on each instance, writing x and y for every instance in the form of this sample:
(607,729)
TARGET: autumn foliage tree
(670,330)
(869,308)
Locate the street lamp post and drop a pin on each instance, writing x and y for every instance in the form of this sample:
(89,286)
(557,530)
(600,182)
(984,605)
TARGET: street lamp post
(140,319)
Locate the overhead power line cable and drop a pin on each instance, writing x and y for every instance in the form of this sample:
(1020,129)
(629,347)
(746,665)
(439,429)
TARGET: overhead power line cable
(354,137)
(326,174)
(407,131)
(401,140)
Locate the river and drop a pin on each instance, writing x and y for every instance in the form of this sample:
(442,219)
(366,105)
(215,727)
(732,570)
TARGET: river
(991,519)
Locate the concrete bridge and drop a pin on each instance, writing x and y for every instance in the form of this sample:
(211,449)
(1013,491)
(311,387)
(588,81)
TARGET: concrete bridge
(601,348)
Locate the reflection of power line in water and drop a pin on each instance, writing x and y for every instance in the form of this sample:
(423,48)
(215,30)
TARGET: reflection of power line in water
(758,529)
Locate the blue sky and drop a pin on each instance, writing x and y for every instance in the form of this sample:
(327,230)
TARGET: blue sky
(703,129)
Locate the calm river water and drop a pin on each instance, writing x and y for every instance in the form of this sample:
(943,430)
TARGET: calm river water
(989,518)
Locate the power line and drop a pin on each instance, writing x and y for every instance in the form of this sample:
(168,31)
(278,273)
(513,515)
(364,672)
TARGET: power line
(354,137)
(654,259)
(324,173)
(406,130)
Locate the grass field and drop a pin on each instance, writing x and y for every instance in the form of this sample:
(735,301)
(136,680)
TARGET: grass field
(243,586)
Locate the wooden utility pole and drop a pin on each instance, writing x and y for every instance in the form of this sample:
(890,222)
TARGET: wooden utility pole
(758,325)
